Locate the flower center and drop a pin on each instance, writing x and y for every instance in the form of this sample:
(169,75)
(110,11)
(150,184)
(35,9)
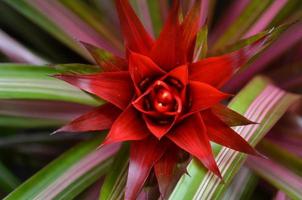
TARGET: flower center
(164,101)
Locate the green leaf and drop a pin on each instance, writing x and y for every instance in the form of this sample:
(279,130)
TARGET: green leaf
(27,122)
(259,101)
(91,16)
(272,34)
(33,82)
(283,156)
(155,15)
(77,68)
(243,185)
(201,46)
(37,17)
(68,175)
(279,176)
(242,23)
(8,181)
(285,12)
(115,181)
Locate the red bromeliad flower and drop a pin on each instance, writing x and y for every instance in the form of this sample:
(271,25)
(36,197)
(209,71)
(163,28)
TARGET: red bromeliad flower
(160,100)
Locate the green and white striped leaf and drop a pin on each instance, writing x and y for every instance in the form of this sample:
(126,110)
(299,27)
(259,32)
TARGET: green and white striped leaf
(68,175)
(34,83)
(242,186)
(260,101)
(115,181)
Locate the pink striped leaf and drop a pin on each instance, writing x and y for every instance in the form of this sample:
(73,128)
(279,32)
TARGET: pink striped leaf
(278,175)
(265,104)
(70,174)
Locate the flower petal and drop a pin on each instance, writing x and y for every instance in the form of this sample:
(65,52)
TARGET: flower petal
(100,118)
(191,135)
(164,170)
(142,68)
(179,73)
(128,126)
(143,155)
(106,60)
(179,78)
(203,96)
(114,87)
(217,70)
(229,117)
(136,37)
(158,129)
(165,49)
(220,133)
(189,30)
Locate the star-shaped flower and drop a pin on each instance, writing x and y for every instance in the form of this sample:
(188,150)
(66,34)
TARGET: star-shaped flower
(160,100)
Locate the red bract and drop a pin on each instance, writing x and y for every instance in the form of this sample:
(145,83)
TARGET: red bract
(161,101)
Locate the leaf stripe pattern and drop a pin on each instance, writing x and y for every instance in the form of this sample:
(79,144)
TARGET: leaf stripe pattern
(256,112)
(76,171)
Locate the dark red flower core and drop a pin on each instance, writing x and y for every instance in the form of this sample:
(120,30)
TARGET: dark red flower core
(162,100)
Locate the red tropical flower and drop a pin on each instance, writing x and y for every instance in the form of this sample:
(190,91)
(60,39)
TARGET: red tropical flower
(160,100)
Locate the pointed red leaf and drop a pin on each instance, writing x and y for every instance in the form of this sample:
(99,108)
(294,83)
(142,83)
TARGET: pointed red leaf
(191,135)
(142,68)
(229,117)
(203,96)
(157,129)
(100,118)
(105,59)
(136,37)
(128,126)
(143,155)
(165,50)
(222,134)
(164,170)
(179,79)
(217,70)
(179,73)
(189,30)
(114,87)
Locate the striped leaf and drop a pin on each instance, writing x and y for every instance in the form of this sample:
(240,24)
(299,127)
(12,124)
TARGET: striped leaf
(115,181)
(33,82)
(68,175)
(40,19)
(260,101)
(279,176)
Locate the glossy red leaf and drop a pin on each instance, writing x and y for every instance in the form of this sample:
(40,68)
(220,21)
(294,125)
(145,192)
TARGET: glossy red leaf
(128,126)
(222,134)
(164,170)
(100,118)
(114,87)
(191,135)
(203,96)
(229,117)
(189,29)
(157,129)
(105,59)
(136,37)
(179,79)
(165,49)
(180,73)
(217,70)
(143,69)
(143,155)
